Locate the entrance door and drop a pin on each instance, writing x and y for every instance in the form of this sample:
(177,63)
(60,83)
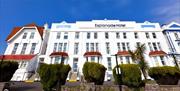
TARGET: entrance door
(75,64)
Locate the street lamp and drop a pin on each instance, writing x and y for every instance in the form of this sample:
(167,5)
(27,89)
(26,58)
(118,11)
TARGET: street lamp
(174,58)
(118,70)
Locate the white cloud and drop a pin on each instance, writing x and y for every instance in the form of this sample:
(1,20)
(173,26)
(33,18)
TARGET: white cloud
(167,11)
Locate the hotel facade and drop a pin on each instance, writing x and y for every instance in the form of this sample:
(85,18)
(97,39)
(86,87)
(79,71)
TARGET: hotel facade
(92,41)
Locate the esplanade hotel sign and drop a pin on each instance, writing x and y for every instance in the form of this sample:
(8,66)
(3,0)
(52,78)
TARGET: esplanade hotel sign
(109,25)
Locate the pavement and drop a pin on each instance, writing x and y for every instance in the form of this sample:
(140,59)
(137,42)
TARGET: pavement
(36,86)
(26,86)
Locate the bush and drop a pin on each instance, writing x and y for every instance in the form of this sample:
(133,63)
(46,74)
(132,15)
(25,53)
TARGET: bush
(130,75)
(7,69)
(94,72)
(165,75)
(53,75)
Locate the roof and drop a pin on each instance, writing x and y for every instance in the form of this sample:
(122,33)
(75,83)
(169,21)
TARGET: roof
(123,53)
(157,53)
(17,29)
(16,57)
(64,54)
(92,54)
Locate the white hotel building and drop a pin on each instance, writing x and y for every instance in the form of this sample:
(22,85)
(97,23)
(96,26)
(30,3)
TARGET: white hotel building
(93,41)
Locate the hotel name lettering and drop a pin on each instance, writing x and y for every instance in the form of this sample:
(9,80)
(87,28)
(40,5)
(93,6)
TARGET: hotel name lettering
(110,25)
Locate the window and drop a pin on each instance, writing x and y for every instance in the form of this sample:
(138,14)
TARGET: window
(76,45)
(24,35)
(106,35)
(128,47)
(117,35)
(123,46)
(147,35)
(155,47)
(97,46)
(60,47)
(109,63)
(66,35)
(127,59)
(65,47)
(119,47)
(55,46)
(156,61)
(76,35)
(138,43)
(58,35)
(32,35)
(124,35)
(92,59)
(87,47)
(154,35)
(57,59)
(24,48)
(176,36)
(150,47)
(135,35)
(88,35)
(15,48)
(162,60)
(33,48)
(75,64)
(92,46)
(23,64)
(159,45)
(95,35)
(107,48)
(121,59)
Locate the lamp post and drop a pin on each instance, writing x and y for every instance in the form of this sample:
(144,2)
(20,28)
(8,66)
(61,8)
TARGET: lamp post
(175,59)
(118,70)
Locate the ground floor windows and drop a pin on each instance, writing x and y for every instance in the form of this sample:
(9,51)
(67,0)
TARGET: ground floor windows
(162,60)
(57,60)
(92,59)
(156,61)
(23,64)
(109,63)
(75,64)
(127,59)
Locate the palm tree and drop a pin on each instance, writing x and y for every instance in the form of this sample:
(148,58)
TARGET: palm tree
(138,57)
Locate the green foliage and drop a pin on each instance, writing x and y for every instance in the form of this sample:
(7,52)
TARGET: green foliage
(94,72)
(53,74)
(165,75)
(130,75)
(7,69)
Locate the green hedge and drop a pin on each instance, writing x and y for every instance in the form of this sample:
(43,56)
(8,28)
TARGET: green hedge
(50,74)
(94,72)
(7,69)
(165,75)
(130,75)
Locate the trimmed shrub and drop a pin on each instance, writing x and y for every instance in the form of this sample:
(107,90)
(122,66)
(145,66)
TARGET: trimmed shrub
(94,72)
(53,75)
(130,75)
(7,69)
(165,75)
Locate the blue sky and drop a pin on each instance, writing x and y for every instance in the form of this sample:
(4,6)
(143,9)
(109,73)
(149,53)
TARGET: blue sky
(21,12)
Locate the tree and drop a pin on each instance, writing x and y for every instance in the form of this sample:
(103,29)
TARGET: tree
(94,72)
(53,75)
(7,69)
(138,57)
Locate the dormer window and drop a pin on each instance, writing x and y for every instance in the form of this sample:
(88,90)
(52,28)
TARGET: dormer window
(24,36)
(32,35)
